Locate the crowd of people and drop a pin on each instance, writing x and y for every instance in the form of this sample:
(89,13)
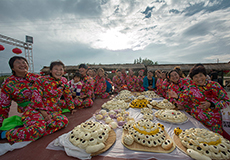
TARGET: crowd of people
(42,99)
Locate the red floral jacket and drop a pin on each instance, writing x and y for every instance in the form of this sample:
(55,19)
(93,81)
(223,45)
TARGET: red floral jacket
(99,85)
(17,89)
(48,91)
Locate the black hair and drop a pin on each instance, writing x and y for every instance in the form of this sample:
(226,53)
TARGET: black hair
(198,64)
(174,70)
(77,74)
(56,63)
(197,70)
(14,58)
(151,71)
(83,66)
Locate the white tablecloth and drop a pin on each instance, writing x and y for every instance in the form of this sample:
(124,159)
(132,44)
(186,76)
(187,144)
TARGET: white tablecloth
(119,151)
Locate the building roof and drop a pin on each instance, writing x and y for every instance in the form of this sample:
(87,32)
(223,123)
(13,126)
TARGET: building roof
(166,67)
(187,67)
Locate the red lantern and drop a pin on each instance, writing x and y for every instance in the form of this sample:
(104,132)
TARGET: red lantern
(113,71)
(2,47)
(17,51)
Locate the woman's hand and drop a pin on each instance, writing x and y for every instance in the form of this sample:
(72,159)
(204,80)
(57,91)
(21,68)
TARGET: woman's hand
(45,115)
(82,96)
(180,107)
(172,94)
(73,111)
(204,105)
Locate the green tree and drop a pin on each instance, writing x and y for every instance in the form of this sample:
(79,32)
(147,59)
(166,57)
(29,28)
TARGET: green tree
(145,61)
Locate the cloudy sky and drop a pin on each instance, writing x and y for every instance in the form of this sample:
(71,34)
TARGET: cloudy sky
(118,31)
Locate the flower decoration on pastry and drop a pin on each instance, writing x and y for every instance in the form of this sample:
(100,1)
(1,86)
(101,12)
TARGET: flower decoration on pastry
(205,142)
(147,133)
(171,115)
(90,136)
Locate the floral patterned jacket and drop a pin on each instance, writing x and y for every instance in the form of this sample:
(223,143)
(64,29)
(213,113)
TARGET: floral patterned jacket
(140,81)
(48,93)
(132,83)
(124,79)
(117,83)
(182,84)
(164,88)
(99,85)
(87,86)
(17,89)
(212,92)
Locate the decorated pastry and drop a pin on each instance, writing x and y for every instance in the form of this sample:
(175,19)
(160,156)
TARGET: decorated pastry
(146,110)
(165,104)
(139,102)
(167,144)
(115,104)
(128,139)
(171,116)
(124,95)
(90,136)
(150,94)
(148,116)
(147,133)
(204,143)
(196,155)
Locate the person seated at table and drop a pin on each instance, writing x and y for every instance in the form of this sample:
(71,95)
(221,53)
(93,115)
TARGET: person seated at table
(87,90)
(160,87)
(124,79)
(131,81)
(204,99)
(117,81)
(149,82)
(100,85)
(165,85)
(109,84)
(18,88)
(51,94)
(177,85)
(75,87)
(90,72)
(140,80)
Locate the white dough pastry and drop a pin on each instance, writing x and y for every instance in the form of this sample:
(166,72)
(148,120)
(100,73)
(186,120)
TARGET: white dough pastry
(196,155)
(95,148)
(128,139)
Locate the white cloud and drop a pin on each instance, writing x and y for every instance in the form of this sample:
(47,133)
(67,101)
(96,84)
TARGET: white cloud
(169,31)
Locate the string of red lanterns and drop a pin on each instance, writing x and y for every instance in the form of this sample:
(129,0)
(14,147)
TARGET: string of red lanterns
(15,50)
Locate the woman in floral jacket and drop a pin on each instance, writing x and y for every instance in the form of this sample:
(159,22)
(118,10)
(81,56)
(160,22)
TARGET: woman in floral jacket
(18,88)
(131,82)
(205,99)
(87,91)
(177,85)
(100,85)
(52,94)
(117,81)
(162,83)
(140,80)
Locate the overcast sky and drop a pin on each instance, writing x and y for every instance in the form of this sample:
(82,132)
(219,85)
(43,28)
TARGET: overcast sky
(118,31)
